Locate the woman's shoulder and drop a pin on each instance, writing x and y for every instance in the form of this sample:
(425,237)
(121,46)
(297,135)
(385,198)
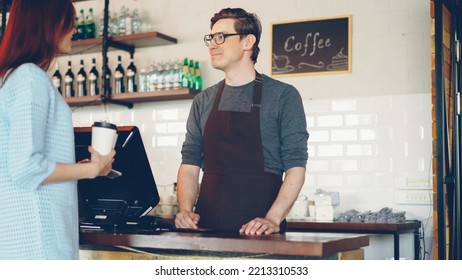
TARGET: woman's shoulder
(30,69)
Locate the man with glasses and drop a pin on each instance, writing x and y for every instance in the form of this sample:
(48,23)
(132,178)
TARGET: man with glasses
(246,132)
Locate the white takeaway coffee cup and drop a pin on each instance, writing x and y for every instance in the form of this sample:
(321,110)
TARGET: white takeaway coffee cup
(103,137)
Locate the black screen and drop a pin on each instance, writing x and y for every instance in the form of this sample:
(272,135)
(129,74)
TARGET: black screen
(136,187)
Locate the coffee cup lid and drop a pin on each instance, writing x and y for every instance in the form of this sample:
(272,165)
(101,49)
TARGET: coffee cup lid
(105,125)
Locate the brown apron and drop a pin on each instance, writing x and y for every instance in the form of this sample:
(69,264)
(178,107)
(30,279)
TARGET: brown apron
(235,188)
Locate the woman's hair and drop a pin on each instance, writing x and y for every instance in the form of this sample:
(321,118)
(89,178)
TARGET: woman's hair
(34,31)
(245,23)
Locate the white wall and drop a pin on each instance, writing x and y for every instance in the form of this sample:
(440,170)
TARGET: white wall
(370,129)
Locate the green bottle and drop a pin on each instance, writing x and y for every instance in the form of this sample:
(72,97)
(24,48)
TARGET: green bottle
(197,72)
(81,30)
(192,74)
(90,25)
(185,80)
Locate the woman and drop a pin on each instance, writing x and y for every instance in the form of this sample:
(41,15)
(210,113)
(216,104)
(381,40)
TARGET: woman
(38,173)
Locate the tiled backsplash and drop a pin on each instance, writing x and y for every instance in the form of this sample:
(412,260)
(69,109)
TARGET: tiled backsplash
(357,146)
(355,143)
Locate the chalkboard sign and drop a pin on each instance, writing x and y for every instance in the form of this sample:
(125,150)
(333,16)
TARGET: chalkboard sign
(311,47)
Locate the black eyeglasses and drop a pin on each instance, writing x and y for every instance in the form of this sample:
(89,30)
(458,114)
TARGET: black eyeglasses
(218,38)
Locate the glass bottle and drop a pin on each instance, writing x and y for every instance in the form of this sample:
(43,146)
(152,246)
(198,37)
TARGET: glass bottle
(93,79)
(176,78)
(143,81)
(131,76)
(192,74)
(168,76)
(119,77)
(185,74)
(81,30)
(75,36)
(128,22)
(160,76)
(101,25)
(136,22)
(197,72)
(121,21)
(69,81)
(90,25)
(107,80)
(81,81)
(153,77)
(114,29)
(57,79)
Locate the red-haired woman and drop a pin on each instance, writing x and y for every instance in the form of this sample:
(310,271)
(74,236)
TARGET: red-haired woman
(38,173)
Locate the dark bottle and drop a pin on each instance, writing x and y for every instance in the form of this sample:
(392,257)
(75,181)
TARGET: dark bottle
(57,79)
(119,76)
(69,81)
(131,76)
(93,88)
(107,80)
(81,81)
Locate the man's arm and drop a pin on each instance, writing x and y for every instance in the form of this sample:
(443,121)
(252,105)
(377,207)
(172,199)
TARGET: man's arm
(290,189)
(188,180)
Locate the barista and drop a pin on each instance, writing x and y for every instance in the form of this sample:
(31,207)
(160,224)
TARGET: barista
(245,132)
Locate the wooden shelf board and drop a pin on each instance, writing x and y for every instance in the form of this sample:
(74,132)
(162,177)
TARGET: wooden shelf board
(135,97)
(139,40)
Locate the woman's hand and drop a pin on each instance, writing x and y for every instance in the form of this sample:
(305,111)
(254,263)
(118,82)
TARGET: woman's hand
(102,164)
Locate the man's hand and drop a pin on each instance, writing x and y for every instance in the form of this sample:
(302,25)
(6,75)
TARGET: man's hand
(259,226)
(186,219)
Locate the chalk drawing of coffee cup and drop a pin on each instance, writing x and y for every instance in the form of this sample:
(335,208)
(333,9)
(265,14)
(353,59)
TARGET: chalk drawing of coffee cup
(281,64)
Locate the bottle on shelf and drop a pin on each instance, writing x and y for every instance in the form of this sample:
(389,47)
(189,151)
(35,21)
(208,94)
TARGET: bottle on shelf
(69,81)
(90,25)
(81,28)
(197,72)
(192,74)
(81,81)
(131,76)
(107,80)
(176,78)
(185,80)
(57,79)
(93,79)
(75,36)
(153,78)
(143,83)
(136,22)
(122,20)
(119,77)
(160,76)
(114,25)
(128,23)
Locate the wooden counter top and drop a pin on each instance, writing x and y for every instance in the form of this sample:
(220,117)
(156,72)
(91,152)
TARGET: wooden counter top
(290,244)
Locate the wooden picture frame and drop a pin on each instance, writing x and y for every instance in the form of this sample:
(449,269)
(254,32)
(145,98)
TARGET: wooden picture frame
(308,47)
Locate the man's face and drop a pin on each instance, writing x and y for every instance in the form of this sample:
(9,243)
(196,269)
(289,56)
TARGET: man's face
(231,51)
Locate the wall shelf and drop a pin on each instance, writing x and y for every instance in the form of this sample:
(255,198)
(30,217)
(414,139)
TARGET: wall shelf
(135,97)
(139,40)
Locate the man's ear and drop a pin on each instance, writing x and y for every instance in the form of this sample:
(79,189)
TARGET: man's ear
(249,41)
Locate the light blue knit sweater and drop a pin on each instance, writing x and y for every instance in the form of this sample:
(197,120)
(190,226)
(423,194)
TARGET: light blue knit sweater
(37,221)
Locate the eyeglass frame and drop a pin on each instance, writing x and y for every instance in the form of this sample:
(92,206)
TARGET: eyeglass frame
(209,37)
